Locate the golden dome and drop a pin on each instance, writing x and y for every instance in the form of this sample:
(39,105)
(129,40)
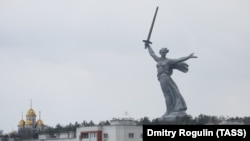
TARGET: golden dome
(31,112)
(28,122)
(39,122)
(21,123)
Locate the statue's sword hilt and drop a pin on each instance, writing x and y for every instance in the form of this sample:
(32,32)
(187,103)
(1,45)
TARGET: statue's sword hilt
(150,30)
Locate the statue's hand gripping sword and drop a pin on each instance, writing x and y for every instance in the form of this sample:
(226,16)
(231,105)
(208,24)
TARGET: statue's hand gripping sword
(147,42)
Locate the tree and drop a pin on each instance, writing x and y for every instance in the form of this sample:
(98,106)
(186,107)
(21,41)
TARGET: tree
(84,123)
(184,120)
(58,128)
(144,121)
(104,123)
(91,123)
(77,124)
(202,119)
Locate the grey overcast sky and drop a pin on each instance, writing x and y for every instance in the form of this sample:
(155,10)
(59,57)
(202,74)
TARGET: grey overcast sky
(85,59)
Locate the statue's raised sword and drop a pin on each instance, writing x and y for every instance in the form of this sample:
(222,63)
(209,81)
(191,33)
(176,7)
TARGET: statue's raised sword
(150,30)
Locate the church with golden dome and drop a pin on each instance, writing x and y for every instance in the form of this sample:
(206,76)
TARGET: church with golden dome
(28,128)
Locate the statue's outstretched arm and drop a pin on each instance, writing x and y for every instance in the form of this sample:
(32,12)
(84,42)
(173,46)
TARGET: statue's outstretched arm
(182,59)
(152,53)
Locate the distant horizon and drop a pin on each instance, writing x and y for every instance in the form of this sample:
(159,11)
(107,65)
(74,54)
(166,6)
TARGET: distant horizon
(130,118)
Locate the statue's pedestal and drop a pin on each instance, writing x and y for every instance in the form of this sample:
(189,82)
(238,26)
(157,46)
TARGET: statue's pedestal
(172,117)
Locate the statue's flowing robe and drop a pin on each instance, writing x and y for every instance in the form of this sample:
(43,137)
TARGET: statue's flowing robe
(173,98)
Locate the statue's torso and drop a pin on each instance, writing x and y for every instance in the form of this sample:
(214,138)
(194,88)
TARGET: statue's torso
(163,66)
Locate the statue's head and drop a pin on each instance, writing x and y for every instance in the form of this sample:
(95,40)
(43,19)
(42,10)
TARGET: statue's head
(163,52)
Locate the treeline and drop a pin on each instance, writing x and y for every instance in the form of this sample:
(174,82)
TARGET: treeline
(188,120)
(199,120)
(71,127)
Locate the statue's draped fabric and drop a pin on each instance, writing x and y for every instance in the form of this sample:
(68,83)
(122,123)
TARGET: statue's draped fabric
(173,98)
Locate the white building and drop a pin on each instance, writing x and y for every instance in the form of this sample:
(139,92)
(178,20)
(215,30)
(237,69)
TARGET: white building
(64,136)
(119,130)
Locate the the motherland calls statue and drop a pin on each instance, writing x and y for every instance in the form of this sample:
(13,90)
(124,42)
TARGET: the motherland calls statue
(175,104)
